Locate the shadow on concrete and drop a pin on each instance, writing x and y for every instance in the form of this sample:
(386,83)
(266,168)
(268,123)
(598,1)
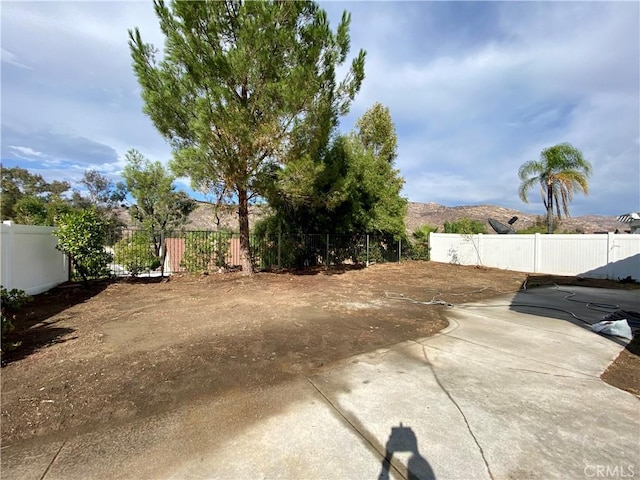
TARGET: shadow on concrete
(580,305)
(403,439)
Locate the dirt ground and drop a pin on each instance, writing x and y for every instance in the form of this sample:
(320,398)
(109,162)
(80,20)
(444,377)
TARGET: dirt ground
(624,373)
(129,348)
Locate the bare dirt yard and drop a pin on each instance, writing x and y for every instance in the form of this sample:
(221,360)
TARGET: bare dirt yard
(131,348)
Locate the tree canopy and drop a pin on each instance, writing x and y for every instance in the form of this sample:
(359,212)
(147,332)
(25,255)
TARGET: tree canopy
(352,187)
(560,171)
(376,131)
(30,200)
(241,87)
(102,193)
(159,207)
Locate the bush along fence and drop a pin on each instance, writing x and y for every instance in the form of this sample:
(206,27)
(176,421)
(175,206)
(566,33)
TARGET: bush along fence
(139,252)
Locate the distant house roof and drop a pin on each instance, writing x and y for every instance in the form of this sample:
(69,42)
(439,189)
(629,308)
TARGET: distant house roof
(629,217)
(633,219)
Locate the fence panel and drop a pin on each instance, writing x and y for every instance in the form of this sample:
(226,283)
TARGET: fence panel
(624,257)
(572,254)
(135,252)
(519,256)
(597,256)
(454,248)
(138,252)
(347,249)
(30,260)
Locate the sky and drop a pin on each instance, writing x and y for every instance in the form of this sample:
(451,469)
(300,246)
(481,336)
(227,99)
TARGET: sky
(474,89)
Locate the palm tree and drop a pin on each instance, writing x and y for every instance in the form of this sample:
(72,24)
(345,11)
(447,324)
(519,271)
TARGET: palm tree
(560,170)
(421,241)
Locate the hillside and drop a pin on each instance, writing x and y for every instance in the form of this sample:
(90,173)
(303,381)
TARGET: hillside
(435,214)
(204,218)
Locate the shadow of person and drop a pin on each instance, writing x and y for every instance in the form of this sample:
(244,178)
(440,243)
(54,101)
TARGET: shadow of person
(403,439)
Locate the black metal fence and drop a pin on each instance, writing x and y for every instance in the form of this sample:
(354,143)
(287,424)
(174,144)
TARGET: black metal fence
(140,252)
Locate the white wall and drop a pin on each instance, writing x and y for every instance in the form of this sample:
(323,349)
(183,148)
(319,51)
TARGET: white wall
(596,256)
(29,259)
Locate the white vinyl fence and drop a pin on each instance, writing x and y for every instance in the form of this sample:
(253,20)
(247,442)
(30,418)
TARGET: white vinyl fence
(29,259)
(610,256)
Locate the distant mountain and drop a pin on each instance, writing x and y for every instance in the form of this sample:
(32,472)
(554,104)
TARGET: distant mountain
(204,217)
(434,214)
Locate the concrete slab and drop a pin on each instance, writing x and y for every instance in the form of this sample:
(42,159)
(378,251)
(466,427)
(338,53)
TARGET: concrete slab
(565,303)
(28,460)
(398,389)
(501,393)
(545,341)
(309,439)
(289,431)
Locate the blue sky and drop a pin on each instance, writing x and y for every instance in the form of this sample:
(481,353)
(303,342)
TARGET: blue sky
(475,90)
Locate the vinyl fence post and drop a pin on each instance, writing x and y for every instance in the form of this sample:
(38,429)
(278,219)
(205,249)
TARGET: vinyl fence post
(611,255)
(536,252)
(7,264)
(367,263)
(327,257)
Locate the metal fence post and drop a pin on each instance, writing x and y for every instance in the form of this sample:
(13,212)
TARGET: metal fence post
(367,264)
(399,250)
(327,257)
(279,247)
(163,254)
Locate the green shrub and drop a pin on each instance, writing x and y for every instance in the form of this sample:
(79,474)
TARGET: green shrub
(375,255)
(540,225)
(82,235)
(419,248)
(381,249)
(465,226)
(136,254)
(12,301)
(204,251)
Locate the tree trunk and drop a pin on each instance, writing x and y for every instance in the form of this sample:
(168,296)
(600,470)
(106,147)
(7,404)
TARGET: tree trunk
(243,219)
(549,210)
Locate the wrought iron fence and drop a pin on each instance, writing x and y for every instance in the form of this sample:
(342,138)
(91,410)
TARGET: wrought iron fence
(140,252)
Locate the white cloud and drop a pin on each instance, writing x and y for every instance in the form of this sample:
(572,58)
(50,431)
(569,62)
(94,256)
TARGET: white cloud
(547,74)
(33,156)
(29,152)
(11,59)
(475,89)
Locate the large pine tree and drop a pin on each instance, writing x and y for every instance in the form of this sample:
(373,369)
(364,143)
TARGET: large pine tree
(242,86)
